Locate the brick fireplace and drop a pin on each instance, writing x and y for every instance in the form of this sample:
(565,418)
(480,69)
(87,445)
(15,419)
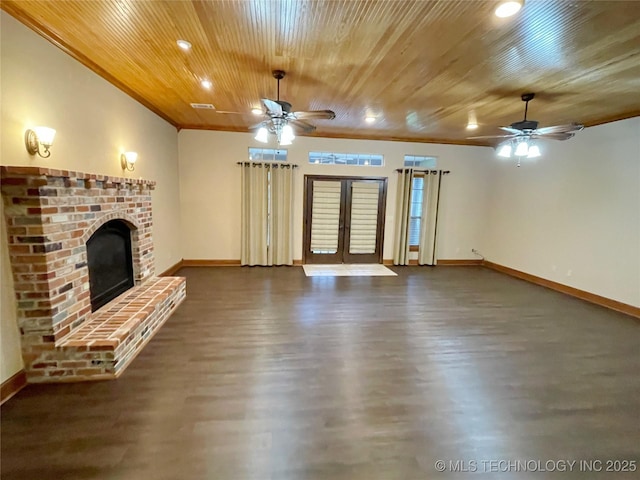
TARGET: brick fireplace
(50,215)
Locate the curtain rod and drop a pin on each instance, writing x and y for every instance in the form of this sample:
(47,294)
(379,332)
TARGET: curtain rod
(444,172)
(260,164)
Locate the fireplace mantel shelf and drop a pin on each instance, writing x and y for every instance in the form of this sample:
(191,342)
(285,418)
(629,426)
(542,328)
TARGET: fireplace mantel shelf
(10,171)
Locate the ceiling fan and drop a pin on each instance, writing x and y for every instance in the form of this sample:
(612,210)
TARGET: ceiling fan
(280,118)
(522,134)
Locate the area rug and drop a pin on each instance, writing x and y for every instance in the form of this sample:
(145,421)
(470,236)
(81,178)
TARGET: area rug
(351,270)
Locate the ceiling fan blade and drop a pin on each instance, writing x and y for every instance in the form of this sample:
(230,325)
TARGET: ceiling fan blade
(225,112)
(319,114)
(306,127)
(257,125)
(492,136)
(511,130)
(273,107)
(571,127)
(554,136)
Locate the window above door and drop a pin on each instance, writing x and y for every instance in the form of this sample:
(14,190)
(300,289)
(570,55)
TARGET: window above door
(356,159)
(420,161)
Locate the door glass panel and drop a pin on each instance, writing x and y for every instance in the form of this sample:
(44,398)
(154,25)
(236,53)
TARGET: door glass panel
(364,217)
(325,216)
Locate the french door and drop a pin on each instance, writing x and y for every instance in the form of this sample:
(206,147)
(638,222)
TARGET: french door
(344,219)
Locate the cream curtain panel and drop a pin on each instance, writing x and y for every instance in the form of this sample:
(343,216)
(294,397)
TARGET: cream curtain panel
(427,247)
(280,250)
(429,219)
(267,214)
(255,207)
(403,212)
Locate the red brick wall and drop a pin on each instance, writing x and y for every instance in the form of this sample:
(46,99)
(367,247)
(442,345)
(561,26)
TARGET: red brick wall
(50,215)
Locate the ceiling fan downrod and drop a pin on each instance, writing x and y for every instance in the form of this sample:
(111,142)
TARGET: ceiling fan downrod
(527,97)
(278,75)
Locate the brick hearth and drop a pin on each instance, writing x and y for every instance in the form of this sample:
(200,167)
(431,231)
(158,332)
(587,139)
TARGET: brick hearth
(50,216)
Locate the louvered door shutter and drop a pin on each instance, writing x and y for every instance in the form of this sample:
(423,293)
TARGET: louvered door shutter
(364,217)
(325,216)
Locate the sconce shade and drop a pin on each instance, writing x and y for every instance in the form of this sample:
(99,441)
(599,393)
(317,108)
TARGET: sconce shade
(131,157)
(37,136)
(45,135)
(128,160)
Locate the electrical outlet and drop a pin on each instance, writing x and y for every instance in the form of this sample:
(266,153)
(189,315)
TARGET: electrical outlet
(569,272)
(553,268)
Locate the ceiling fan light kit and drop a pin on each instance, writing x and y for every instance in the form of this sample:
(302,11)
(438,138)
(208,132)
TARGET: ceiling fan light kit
(281,119)
(523,135)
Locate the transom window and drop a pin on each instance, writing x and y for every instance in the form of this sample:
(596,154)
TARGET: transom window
(419,161)
(267,155)
(361,159)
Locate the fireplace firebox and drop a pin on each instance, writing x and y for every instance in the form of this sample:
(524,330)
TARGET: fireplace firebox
(110,262)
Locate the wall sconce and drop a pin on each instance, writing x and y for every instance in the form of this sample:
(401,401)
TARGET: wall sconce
(39,136)
(128,160)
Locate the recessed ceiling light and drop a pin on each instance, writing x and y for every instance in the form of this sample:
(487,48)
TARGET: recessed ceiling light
(472,121)
(508,8)
(369,119)
(206,84)
(256,111)
(183,44)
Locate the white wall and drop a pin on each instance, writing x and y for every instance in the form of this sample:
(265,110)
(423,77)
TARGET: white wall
(10,356)
(210,189)
(573,215)
(41,85)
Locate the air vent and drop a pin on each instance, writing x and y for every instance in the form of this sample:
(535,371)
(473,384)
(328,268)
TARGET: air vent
(204,106)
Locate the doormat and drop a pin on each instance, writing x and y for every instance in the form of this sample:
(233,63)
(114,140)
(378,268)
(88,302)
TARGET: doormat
(350,270)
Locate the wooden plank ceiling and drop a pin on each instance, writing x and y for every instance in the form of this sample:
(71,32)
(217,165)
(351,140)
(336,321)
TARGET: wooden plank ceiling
(420,67)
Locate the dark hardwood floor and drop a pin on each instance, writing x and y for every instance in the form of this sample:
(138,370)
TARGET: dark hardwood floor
(264,373)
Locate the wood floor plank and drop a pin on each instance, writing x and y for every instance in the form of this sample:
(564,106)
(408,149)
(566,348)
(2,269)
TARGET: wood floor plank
(265,373)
